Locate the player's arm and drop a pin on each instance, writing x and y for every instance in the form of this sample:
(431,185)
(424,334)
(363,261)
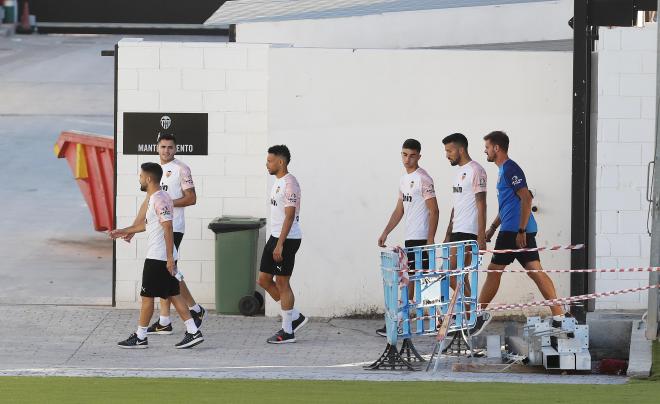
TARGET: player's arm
(168,232)
(525,212)
(493,227)
(189,198)
(188,187)
(450,226)
(289,217)
(434,215)
(140,218)
(122,233)
(395,218)
(480,199)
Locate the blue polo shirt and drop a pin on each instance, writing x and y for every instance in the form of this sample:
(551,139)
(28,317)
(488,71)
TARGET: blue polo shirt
(511,179)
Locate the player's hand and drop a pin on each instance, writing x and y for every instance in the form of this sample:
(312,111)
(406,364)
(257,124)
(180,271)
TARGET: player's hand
(127,238)
(521,240)
(481,242)
(489,234)
(117,233)
(381,240)
(171,267)
(277,253)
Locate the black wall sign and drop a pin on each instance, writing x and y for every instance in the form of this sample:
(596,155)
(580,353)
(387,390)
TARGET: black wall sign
(142,129)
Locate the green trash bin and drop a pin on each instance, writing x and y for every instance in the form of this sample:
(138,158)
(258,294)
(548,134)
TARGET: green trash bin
(236,240)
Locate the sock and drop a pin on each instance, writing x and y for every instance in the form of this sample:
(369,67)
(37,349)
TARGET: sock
(196,308)
(295,314)
(558,318)
(286,321)
(191,328)
(164,320)
(141,332)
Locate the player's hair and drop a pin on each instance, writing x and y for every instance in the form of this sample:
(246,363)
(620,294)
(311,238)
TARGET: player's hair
(412,144)
(498,138)
(153,170)
(457,138)
(167,136)
(280,150)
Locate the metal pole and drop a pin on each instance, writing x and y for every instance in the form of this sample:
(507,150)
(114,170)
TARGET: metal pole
(580,154)
(654,278)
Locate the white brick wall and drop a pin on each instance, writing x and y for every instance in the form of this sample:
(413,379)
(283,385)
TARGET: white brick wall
(230,83)
(625,145)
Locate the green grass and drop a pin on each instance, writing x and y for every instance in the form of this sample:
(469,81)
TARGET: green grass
(140,390)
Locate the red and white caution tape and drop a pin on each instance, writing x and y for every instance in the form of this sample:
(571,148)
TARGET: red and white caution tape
(508,251)
(524,271)
(519,250)
(549,302)
(564,300)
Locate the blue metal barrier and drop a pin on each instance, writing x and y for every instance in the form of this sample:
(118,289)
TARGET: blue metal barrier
(431,278)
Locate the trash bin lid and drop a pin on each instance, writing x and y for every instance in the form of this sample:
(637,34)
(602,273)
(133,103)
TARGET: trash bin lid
(227,224)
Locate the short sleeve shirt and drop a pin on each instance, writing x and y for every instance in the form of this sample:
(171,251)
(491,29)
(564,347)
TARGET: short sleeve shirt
(177,178)
(414,190)
(511,179)
(285,193)
(469,181)
(159,210)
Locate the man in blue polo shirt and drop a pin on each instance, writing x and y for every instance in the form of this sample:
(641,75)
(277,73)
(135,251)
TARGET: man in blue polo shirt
(518,230)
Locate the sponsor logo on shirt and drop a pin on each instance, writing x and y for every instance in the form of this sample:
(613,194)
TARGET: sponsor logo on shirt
(457,190)
(273,202)
(482,182)
(515,180)
(407,198)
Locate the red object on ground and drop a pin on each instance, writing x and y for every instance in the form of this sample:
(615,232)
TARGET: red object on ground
(92,160)
(25,17)
(613,367)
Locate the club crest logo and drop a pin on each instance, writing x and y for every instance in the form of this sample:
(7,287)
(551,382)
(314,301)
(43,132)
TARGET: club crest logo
(168,173)
(412,184)
(165,122)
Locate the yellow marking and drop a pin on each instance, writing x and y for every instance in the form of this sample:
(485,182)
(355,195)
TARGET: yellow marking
(81,162)
(56,149)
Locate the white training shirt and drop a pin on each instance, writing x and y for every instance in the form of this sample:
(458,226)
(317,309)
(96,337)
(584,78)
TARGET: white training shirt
(414,189)
(285,193)
(470,180)
(159,210)
(176,179)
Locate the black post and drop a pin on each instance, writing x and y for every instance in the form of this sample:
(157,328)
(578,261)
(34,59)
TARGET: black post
(114,213)
(582,47)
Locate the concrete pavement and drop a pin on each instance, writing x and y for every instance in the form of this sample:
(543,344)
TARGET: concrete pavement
(81,341)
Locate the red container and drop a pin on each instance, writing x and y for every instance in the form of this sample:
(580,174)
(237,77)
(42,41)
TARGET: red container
(92,161)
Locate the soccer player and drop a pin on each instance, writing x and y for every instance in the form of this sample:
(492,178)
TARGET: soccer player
(468,215)
(177,181)
(417,203)
(518,230)
(279,254)
(158,275)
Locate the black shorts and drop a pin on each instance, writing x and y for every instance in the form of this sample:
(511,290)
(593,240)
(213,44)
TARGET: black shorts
(462,237)
(506,240)
(284,268)
(411,256)
(157,280)
(177,240)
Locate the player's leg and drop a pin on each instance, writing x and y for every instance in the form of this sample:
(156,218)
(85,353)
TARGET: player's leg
(292,319)
(139,338)
(267,282)
(193,335)
(544,283)
(531,261)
